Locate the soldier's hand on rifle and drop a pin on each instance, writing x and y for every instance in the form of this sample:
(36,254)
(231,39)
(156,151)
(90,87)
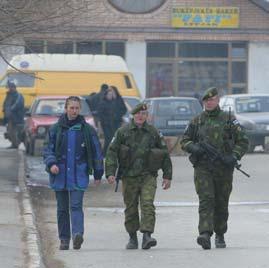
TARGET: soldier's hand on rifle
(196,149)
(230,160)
(166,184)
(111,179)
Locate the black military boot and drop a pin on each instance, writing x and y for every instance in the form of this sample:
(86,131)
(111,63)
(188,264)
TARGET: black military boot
(219,241)
(204,240)
(64,245)
(148,241)
(133,243)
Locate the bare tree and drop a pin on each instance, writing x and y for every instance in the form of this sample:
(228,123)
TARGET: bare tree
(20,17)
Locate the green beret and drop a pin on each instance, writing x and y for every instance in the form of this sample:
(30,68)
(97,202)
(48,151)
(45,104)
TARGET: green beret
(139,107)
(210,92)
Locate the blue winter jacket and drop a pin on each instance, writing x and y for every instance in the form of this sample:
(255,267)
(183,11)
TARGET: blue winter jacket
(75,148)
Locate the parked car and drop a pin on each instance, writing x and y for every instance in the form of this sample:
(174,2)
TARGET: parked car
(44,112)
(171,115)
(252,112)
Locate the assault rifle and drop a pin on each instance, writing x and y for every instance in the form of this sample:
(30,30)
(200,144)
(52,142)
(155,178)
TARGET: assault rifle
(213,155)
(118,178)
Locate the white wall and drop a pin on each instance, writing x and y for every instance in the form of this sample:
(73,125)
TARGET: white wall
(258,68)
(136,61)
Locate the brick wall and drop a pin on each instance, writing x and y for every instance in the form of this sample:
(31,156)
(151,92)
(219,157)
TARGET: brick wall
(100,20)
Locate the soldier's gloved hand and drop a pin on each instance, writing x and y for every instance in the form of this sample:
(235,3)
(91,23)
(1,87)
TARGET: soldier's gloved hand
(196,149)
(230,160)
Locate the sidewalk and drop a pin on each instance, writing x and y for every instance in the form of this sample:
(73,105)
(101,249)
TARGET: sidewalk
(18,243)
(176,226)
(12,228)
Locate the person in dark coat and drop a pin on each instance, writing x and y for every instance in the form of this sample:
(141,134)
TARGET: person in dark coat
(120,109)
(72,152)
(13,109)
(94,99)
(106,108)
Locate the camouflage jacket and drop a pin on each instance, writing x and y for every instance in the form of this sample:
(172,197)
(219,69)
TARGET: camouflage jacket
(215,127)
(131,147)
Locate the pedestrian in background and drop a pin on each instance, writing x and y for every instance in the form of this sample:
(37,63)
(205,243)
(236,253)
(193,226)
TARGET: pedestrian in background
(120,108)
(13,109)
(93,101)
(213,181)
(139,150)
(72,153)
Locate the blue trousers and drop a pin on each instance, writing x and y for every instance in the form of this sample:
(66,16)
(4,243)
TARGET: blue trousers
(69,202)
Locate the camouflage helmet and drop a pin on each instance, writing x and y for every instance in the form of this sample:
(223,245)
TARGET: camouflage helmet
(210,92)
(139,107)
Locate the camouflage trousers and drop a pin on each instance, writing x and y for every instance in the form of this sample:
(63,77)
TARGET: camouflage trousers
(141,191)
(213,188)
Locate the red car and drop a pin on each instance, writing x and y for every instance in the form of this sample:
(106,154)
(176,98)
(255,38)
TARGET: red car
(44,112)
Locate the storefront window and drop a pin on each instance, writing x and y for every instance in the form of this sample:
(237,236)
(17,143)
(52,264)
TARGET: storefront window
(196,66)
(239,72)
(198,50)
(115,48)
(65,47)
(160,80)
(89,47)
(34,46)
(195,77)
(161,50)
(239,50)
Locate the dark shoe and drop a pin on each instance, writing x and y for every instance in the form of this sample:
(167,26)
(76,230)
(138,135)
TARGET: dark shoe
(133,243)
(219,241)
(204,240)
(148,241)
(77,241)
(64,245)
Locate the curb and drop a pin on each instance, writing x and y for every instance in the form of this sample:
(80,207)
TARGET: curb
(34,257)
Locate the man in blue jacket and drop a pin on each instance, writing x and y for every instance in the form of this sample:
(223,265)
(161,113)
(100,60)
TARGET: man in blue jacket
(71,154)
(13,109)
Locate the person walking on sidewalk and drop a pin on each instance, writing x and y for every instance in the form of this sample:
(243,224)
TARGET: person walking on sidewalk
(140,151)
(213,179)
(72,152)
(13,109)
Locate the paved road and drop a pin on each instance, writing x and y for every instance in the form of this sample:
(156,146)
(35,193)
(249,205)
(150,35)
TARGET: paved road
(12,244)
(176,228)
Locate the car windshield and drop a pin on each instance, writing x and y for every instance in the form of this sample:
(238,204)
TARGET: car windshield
(132,102)
(253,104)
(177,107)
(20,79)
(56,107)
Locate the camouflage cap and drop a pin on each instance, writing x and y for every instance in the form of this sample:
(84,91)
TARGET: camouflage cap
(139,107)
(210,92)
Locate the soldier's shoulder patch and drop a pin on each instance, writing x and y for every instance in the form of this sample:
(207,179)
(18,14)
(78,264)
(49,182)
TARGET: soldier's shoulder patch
(160,134)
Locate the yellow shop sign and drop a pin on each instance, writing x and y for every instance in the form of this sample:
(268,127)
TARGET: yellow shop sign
(205,17)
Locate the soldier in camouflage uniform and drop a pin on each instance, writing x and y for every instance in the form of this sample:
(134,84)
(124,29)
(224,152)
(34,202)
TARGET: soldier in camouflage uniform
(213,181)
(140,151)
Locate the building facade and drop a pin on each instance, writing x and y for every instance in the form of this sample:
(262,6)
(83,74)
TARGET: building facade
(173,47)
